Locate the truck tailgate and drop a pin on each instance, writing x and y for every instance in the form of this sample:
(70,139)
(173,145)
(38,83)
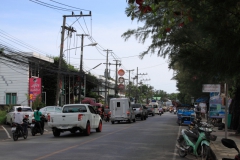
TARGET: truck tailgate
(66,120)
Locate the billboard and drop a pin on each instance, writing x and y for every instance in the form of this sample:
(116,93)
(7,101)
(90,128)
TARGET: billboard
(35,88)
(211,88)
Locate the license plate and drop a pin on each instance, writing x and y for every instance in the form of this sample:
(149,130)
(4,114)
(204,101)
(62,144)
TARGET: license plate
(13,129)
(32,125)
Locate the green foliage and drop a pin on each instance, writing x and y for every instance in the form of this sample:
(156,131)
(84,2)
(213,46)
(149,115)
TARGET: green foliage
(37,103)
(2,116)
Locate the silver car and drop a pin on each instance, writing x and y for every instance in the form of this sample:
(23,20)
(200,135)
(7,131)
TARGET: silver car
(140,111)
(48,110)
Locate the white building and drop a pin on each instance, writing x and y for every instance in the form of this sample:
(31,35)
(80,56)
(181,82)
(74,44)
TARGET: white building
(15,70)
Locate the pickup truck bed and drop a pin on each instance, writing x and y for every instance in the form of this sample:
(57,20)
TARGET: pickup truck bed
(75,117)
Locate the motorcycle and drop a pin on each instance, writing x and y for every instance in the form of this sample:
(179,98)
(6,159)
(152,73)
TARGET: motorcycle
(174,111)
(230,144)
(17,130)
(107,115)
(196,142)
(36,128)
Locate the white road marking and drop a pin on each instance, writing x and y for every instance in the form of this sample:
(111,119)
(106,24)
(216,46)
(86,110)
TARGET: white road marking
(6,132)
(175,150)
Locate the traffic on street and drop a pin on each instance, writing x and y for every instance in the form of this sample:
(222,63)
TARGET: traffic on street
(154,138)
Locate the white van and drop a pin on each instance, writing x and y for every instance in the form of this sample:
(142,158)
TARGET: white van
(121,110)
(155,106)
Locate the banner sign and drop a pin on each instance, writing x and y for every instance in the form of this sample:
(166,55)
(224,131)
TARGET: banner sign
(35,88)
(211,88)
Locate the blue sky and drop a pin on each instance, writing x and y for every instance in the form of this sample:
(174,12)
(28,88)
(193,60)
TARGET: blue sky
(40,27)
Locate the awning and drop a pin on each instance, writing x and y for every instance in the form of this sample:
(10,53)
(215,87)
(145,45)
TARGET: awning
(202,100)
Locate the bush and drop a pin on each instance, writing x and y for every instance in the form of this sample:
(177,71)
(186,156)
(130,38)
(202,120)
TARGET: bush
(2,116)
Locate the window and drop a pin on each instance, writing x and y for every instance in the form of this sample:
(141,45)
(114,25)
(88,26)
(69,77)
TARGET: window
(92,110)
(118,104)
(74,108)
(11,98)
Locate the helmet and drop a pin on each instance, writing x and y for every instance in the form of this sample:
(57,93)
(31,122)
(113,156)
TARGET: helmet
(19,109)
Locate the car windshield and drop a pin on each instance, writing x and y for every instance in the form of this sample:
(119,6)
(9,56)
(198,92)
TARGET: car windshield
(75,108)
(27,110)
(155,106)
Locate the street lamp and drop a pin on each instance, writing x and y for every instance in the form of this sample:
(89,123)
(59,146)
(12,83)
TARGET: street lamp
(85,78)
(91,44)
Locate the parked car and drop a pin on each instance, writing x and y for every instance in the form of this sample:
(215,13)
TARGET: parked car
(50,109)
(150,110)
(25,109)
(121,110)
(139,111)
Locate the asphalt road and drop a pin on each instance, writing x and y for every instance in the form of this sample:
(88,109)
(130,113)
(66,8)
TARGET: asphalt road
(154,138)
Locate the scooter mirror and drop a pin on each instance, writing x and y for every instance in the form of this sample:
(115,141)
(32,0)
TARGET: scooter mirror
(229,143)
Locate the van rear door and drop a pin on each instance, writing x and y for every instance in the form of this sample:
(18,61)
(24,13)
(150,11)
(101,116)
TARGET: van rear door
(119,109)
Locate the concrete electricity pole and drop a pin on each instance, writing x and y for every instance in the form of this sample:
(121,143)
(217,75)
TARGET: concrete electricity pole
(81,70)
(106,77)
(61,51)
(129,88)
(116,75)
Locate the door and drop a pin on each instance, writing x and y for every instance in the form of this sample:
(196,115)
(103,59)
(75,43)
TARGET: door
(93,117)
(119,108)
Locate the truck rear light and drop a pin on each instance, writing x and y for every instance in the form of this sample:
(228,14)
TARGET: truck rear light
(80,117)
(128,113)
(48,117)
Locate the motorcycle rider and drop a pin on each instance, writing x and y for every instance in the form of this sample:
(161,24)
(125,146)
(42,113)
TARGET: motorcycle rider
(18,119)
(37,115)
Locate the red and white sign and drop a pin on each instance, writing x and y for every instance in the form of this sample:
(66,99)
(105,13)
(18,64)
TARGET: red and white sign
(121,86)
(35,87)
(120,79)
(121,72)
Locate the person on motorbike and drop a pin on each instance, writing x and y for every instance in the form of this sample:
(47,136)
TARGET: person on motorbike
(19,119)
(37,115)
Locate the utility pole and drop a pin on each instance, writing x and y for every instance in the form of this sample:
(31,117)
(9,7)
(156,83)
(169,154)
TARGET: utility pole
(61,51)
(137,80)
(116,75)
(81,70)
(106,77)
(129,88)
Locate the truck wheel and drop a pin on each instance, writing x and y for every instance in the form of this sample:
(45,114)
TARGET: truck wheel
(145,117)
(99,129)
(56,132)
(141,117)
(134,120)
(112,122)
(88,129)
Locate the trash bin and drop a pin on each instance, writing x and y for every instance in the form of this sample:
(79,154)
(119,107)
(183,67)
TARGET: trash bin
(229,120)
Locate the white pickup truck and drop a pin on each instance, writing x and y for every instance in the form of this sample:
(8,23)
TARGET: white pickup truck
(75,117)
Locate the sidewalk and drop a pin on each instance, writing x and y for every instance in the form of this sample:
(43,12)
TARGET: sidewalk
(219,149)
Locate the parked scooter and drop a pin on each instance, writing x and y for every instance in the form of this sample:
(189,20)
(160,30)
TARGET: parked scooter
(17,130)
(196,142)
(36,128)
(230,144)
